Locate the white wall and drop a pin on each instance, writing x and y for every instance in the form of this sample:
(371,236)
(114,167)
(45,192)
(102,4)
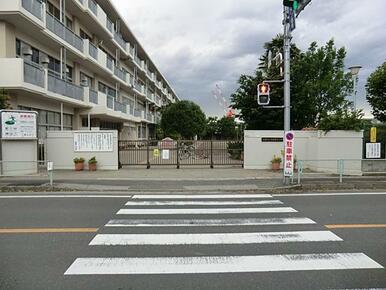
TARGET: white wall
(319,150)
(19,157)
(60,150)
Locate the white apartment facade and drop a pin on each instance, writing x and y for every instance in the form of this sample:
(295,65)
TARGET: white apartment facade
(78,64)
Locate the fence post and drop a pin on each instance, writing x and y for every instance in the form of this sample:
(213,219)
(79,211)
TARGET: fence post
(211,154)
(300,171)
(148,154)
(178,154)
(340,170)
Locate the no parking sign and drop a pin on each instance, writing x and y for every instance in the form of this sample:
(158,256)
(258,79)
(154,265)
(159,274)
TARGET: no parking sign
(289,154)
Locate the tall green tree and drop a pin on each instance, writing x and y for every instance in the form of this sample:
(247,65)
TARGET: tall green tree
(376,92)
(319,87)
(227,128)
(183,119)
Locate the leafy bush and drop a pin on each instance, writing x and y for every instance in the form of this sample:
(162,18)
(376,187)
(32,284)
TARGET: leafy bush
(79,160)
(235,149)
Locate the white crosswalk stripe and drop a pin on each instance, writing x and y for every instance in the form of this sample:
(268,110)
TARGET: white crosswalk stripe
(227,264)
(206,203)
(208,222)
(212,239)
(202,196)
(154,208)
(160,211)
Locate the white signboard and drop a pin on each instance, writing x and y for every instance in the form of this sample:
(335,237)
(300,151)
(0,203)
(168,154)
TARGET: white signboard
(373,150)
(289,139)
(93,141)
(165,154)
(18,125)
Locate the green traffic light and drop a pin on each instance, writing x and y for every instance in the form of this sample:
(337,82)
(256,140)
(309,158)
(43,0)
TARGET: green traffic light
(295,5)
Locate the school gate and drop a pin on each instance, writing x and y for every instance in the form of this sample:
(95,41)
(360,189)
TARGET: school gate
(168,152)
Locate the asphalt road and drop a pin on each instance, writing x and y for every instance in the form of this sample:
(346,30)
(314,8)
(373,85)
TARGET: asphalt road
(307,259)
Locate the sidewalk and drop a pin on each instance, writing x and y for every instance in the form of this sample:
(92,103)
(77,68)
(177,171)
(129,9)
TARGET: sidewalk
(186,179)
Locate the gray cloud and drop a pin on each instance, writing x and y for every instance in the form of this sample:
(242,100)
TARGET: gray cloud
(198,43)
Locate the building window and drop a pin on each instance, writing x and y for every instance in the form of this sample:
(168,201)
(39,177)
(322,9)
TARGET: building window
(84,35)
(69,23)
(90,80)
(53,10)
(107,90)
(18,47)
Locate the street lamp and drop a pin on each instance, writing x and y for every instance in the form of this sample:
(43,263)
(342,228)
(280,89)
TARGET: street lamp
(355,72)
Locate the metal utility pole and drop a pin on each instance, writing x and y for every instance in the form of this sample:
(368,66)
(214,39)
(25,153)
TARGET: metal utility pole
(287,76)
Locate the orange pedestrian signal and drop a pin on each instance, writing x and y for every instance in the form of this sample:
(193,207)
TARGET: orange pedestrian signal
(263,91)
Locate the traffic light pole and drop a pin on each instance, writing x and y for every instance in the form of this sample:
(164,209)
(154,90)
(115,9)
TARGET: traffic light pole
(287,78)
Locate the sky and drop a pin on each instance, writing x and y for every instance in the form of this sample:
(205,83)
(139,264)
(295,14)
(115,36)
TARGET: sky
(201,44)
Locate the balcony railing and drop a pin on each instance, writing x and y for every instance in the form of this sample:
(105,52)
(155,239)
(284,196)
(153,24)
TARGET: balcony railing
(110,102)
(121,74)
(137,113)
(150,117)
(33,74)
(63,32)
(93,51)
(118,38)
(93,98)
(93,7)
(110,25)
(119,107)
(138,87)
(109,63)
(35,7)
(62,87)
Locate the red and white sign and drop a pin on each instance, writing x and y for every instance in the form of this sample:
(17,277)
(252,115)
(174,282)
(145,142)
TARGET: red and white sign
(289,140)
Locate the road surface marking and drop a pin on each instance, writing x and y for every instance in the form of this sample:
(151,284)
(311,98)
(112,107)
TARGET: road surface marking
(208,222)
(48,230)
(150,211)
(356,226)
(63,196)
(212,239)
(201,196)
(328,194)
(220,264)
(191,202)
(222,187)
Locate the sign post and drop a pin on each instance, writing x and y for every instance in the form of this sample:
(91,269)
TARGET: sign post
(289,154)
(50,169)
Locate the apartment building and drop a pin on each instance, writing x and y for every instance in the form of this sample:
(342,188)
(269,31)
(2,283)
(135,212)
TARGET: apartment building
(78,64)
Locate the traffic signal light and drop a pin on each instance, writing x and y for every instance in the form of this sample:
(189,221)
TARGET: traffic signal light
(263,91)
(291,3)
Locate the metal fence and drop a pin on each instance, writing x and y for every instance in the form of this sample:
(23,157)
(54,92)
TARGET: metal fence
(19,168)
(33,74)
(35,7)
(208,153)
(338,168)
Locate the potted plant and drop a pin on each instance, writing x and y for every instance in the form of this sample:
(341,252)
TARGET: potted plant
(92,164)
(79,163)
(276,160)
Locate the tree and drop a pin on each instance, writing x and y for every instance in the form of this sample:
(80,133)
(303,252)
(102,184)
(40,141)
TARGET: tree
(343,120)
(376,92)
(4,99)
(183,119)
(319,87)
(211,128)
(227,128)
